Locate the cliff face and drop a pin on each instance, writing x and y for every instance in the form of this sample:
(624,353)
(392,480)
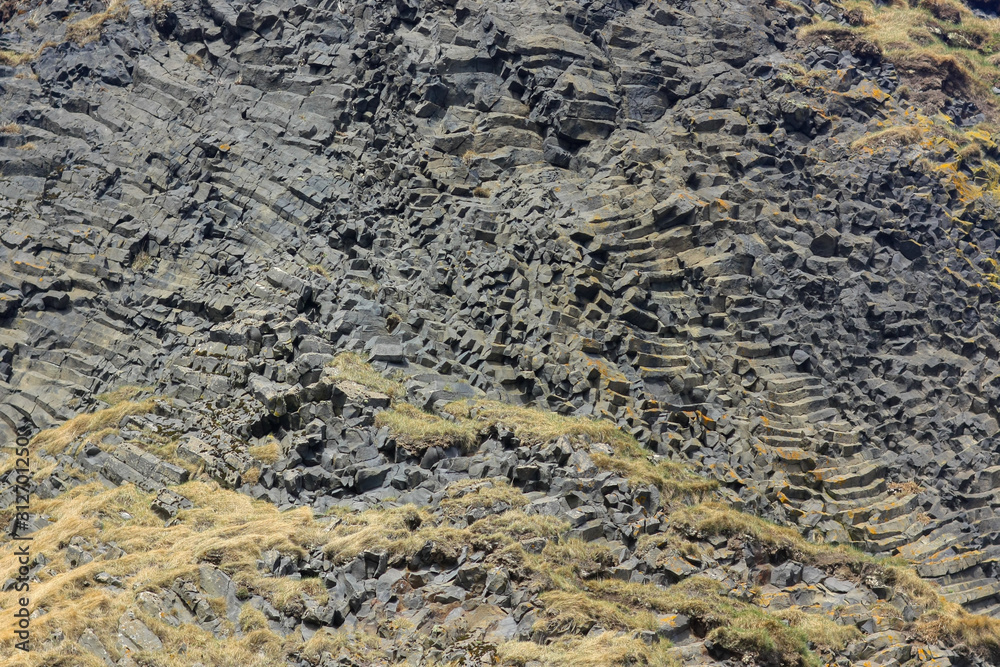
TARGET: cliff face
(740,232)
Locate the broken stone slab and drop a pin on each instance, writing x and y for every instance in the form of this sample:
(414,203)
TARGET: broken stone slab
(128,463)
(218,584)
(134,636)
(167,503)
(385,349)
(92,644)
(673,627)
(225,466)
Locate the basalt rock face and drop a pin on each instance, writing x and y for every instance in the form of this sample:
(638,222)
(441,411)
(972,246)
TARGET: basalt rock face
(636,210)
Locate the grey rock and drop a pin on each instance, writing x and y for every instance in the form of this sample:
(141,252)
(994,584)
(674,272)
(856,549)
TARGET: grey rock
(133,635)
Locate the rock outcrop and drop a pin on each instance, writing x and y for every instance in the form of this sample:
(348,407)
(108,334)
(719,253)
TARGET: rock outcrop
(670,216)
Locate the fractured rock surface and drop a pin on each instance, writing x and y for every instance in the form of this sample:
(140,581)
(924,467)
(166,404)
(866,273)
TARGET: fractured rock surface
(633,210)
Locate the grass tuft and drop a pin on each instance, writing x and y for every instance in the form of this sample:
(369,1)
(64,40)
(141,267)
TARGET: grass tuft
(896,136)
(267,453)
(953,626)
(718,519)
(18,58)
(466,495)
(124,393)
(674,480)
(415,428)
(319,270)
(87,30)
(352,366)
(579,611)
(537,425)
(391,530)
(599,650)
(15,58)
(223,524)
(142,261)
(55,440)
(940,47)
(754,633)
(403,531)
(628,459)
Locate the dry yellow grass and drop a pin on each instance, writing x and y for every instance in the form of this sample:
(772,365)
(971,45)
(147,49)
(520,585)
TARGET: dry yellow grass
(537,425)
(415,428)
(767,639)
(600,650)
(231,529)
(251,475)
(953,625)
(162,446)
(891,136)
(718,519)
(15,58)
(403,531)
(222,525)
(782,636)
(392,530)
(938,133)
(820,629)
(142,261)
(934,39)
(673,479)
(55,440)
(370,285)
(514,525)
(351,366)
(18,58)
(87,30)
(228,528)
(30,146)
(124,393)
(363,647)
(463,496)
(268,453)
(571,559)
(319,270)
(579,611)
(10,128)
(629,458)
(575,601)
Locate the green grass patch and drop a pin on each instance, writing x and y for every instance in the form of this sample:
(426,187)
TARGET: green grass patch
(756,633)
